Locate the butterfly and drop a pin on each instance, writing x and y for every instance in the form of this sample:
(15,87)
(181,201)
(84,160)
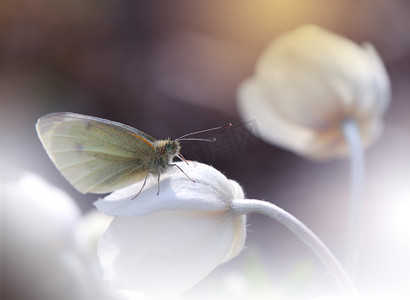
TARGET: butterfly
(99,156)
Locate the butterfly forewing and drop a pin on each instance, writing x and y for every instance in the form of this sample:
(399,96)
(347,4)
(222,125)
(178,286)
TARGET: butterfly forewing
(93,154)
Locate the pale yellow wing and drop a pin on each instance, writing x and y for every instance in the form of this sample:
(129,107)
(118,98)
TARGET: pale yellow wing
(95,155)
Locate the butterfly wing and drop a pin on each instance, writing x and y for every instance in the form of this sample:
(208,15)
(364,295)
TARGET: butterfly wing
(93,154)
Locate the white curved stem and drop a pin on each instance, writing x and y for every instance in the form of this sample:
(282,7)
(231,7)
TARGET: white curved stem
(246,206)
(357,177)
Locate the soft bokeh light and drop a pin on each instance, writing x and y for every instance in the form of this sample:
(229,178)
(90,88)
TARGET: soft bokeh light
(399,216)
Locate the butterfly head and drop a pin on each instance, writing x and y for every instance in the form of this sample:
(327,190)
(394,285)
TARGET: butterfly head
(172,147)
(168,148)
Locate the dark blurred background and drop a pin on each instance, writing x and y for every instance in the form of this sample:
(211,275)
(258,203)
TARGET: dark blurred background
(173,67)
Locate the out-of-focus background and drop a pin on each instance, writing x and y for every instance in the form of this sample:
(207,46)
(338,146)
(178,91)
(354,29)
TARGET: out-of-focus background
(173,67)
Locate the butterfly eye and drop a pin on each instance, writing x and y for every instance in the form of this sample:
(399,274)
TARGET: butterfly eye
(169,147)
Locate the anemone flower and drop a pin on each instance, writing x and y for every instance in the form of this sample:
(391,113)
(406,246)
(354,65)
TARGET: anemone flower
(40,235)
(162,245)
(321,96)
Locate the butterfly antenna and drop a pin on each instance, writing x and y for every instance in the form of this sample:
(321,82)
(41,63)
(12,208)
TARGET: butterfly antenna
(205,130)
(198,139)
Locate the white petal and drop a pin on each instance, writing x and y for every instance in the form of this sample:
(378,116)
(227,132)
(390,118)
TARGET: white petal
(164,253)
(236,189)
(39,251)
(381,81)
(238,241)
(211,191)
(318,78)
(49,214)
(253,103)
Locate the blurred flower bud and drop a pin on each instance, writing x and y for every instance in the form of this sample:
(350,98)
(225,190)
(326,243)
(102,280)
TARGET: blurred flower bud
(307,83)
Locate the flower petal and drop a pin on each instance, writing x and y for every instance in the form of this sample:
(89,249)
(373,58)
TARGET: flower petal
(211,191)
(49,214)
(319,78)
(39,250)
(164,253)
(237,190)
(254,103)
(238,241)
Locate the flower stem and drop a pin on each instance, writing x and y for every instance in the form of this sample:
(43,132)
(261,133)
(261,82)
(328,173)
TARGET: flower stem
(357,175)
(246,206)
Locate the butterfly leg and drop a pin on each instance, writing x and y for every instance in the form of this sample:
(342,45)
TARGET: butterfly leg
(145,180)
(175,165)
(158,183)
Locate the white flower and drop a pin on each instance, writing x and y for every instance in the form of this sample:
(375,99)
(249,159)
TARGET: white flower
(38,239)
(163,245)
(307,83)
(41,248)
